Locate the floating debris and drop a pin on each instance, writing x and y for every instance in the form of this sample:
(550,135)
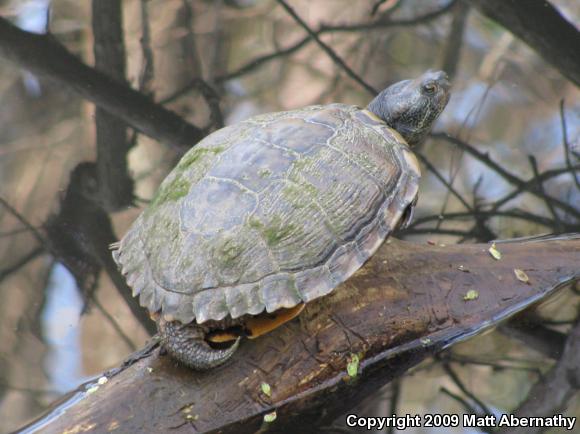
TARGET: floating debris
(270,417)
(92,389)
(425,341)
(494,252)
(352,366)
(472,294)
(266,389)
(462,268)
(521,276)
(103,380)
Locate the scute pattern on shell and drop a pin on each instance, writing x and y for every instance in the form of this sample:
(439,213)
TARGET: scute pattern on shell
(269,213)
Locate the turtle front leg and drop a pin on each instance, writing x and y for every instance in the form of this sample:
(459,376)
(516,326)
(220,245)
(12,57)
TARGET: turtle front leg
(186,343)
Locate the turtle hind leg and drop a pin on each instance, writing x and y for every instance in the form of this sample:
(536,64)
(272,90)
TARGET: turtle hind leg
(186,343)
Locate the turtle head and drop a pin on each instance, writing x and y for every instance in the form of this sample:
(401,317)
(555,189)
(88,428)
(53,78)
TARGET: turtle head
(411,106)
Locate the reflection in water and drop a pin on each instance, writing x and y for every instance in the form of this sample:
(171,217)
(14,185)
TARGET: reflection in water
(33,17)
(49,133)
(60,325)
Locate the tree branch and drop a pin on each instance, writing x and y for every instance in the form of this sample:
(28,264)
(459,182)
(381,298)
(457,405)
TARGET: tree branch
(560,384)
(4,203)
(21,262)
(79,237)
(566,145)
(328,50)
(407,303)
(115,183)
(455,38)
(44,55)
(530,187)
(529,21)
(382,23)
(542,177)
(324,28)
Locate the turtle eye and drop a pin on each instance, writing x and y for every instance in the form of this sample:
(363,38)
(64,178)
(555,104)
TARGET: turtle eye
(429,88)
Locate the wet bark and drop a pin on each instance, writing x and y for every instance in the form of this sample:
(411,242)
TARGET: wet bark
(407,303)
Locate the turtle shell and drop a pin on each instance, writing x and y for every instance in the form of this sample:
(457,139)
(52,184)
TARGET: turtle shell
(269,213)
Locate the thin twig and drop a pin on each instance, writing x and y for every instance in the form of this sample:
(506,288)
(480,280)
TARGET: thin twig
(327,49)
(511,178)
(447,368)
(567,145)
(395,396)
(23,220)
(390,8)
(14,232)
(454,171)
(516,213)
(540,185)
(462,360)
(210,95)
(259,61)
(113,322)
(212,99)
(326,28)
(466,405)
(380,24)
(148,68)
(543,177)
(5,272)
(440,177)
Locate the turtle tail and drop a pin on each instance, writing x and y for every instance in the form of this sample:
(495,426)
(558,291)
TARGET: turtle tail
(186,343)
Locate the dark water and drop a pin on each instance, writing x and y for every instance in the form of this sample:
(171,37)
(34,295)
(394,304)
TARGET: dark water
(506,103)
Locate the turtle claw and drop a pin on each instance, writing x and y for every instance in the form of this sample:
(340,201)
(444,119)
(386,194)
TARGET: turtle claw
(186,343)
(201,356)
(408,214)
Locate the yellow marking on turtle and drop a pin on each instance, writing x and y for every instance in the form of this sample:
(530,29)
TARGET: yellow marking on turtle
(397,136)
(412,161)
(373,116)
(259,325)
(222,336)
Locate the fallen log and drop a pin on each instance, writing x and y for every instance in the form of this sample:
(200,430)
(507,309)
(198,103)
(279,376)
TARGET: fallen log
(407,303)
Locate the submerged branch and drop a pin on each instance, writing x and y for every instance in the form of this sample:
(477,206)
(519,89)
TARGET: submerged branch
(44,55)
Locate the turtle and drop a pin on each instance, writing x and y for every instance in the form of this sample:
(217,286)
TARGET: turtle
(266,215)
